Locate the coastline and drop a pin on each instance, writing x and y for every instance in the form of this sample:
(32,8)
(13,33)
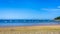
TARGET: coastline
(33,27)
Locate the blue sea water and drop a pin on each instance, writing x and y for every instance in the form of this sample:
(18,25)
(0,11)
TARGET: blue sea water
(27,22)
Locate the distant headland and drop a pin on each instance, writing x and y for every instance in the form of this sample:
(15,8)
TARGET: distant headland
(57,18)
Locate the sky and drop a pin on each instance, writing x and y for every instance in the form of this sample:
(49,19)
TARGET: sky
(29,9)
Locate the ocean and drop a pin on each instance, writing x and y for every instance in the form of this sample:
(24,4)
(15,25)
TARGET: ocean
(27,22)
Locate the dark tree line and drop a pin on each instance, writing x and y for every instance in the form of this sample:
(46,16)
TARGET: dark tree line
(57,18)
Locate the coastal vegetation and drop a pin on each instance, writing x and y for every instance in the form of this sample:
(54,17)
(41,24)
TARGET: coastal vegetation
(57,18)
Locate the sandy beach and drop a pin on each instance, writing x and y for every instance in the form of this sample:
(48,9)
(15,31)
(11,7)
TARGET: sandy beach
(30,29)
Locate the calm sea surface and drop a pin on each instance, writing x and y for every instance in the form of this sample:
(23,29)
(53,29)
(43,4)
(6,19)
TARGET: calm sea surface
(27,23)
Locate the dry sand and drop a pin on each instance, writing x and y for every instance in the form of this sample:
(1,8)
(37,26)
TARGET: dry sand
(50,29)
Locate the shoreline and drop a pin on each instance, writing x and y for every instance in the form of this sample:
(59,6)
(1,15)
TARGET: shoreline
(31,25)
(56,26)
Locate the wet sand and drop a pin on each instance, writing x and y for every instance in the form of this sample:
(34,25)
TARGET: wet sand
(31,27)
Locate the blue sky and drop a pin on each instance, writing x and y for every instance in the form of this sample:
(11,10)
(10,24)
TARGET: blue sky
(29,9)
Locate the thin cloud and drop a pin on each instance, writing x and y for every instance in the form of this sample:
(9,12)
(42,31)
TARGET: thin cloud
(46,9)
(52,11)
(58,6)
